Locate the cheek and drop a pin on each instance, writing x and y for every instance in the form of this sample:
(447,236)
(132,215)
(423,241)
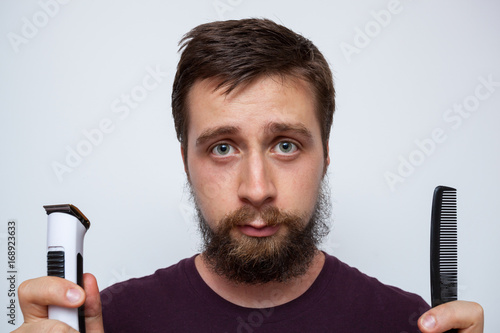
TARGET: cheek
(211,188)
(302,187)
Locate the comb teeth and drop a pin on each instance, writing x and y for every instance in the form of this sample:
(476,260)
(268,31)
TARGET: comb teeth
(444,265)
(448,264)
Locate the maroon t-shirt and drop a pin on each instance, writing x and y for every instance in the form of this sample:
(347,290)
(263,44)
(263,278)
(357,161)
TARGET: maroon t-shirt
(342,299)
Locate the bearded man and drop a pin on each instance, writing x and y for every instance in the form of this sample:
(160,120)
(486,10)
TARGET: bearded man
(253,105)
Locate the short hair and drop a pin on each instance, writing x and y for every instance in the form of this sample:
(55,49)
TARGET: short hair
(236,52)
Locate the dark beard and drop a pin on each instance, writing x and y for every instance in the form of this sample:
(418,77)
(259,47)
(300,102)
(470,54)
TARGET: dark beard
(279,258)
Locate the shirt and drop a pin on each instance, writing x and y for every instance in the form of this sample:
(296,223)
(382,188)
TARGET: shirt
(341,299)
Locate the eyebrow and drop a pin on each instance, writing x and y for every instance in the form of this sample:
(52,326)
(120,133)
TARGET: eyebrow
(272,127)
(212,133)
(277,127)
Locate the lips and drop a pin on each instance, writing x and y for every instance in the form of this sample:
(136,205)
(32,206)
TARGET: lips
(258,230)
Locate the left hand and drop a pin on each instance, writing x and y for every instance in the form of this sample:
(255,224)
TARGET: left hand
(467,317)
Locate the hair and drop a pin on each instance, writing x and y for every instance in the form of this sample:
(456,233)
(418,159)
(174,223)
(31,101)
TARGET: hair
(236,52)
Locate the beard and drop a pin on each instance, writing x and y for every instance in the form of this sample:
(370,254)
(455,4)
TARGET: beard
(285,255)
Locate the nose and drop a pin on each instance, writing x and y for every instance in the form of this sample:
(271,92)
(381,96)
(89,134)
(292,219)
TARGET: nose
(256,186)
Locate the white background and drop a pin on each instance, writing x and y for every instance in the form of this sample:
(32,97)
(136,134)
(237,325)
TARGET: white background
(398,86)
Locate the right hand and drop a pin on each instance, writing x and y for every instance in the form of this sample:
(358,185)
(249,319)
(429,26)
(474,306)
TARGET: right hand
(35,295)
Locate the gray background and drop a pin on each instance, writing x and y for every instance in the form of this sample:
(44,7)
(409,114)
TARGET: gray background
(398,84)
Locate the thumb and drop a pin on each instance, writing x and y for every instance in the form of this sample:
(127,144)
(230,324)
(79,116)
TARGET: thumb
(93,310)
(468,317)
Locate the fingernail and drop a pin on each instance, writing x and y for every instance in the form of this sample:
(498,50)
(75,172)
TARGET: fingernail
(73,295)
(429,321)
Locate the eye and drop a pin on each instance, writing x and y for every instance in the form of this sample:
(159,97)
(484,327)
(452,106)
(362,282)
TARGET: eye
(222,149)
(285,147)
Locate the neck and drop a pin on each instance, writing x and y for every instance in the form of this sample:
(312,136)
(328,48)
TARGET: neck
(260,295)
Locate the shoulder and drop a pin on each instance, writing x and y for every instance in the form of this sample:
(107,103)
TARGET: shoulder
(124,302)
(367,296)
(147,284)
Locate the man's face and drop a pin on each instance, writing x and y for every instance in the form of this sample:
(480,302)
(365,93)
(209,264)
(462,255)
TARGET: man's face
(256,151)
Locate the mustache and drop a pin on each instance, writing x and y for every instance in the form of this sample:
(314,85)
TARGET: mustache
(271,215)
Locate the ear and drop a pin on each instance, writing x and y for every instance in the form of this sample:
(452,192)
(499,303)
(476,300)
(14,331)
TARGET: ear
(327,158)
(184,160)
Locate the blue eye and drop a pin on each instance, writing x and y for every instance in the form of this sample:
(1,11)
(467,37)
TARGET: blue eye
(222,149)
(286,147)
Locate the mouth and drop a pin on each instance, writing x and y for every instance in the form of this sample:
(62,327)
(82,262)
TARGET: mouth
(258,229)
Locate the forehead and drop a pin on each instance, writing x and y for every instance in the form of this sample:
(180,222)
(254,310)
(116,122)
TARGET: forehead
(264,100)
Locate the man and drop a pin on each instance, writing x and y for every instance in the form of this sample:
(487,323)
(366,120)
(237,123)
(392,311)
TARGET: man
(253,104)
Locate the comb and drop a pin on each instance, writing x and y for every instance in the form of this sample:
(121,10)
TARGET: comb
(444,253)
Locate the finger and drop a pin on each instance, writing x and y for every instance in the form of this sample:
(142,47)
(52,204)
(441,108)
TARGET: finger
(93,310)
(45,326)
(36,294)
(468,317)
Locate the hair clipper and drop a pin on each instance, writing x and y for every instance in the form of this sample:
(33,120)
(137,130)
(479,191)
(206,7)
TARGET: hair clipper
(66,228)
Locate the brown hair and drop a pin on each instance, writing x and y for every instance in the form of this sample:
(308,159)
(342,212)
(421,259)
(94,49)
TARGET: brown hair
(238,51)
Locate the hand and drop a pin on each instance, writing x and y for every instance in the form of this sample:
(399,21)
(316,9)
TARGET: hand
(36,294)
(467,317)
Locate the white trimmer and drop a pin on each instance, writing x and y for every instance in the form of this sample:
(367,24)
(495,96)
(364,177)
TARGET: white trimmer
(66,228)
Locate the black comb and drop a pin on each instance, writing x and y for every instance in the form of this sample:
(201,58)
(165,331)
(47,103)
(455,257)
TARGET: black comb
(444,253)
